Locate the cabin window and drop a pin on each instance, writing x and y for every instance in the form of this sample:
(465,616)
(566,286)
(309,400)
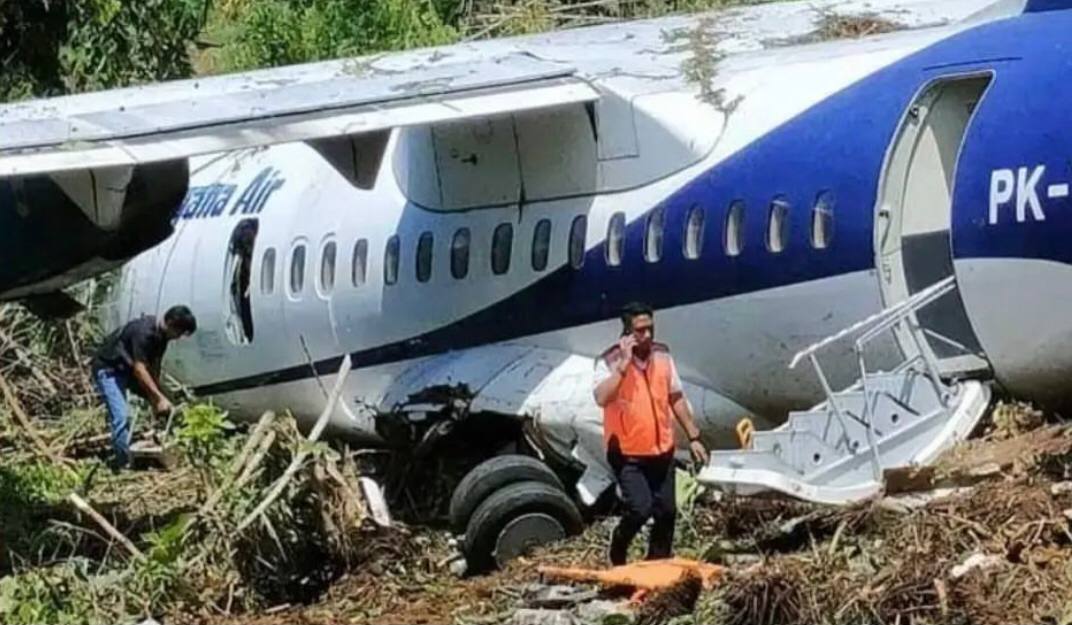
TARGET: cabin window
(653,236)
(297,270)
(390,260)
(694,231)
(733,240)
(541,244)
(459,253)
(615,239)
(778,225)
(240,269)
(327,268)
(822,221)
(424,257)
(268,271)
(359,264)
(577,235)
(502,243)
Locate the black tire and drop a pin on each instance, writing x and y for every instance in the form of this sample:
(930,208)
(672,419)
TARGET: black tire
(509,503)
(491,475)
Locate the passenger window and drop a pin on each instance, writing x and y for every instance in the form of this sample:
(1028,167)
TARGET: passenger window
(424,257)
(577,235)
(327,268)
(734,232)
(615,239)
(459,254)
(541,244)
(390,260)
(694,231)
(297,270)
(502,243)
(822,221)
(778,225)
(268,272)
(359,264)
(653,236)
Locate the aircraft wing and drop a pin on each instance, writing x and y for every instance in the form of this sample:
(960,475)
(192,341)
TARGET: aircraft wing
(176,120)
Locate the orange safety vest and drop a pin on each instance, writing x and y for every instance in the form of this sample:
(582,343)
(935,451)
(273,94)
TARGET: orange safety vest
(639,419)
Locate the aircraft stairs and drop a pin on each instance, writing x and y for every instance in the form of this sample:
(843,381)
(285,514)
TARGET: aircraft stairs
(838,451)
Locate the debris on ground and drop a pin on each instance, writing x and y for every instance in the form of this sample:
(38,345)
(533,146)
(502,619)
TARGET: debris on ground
(983,536)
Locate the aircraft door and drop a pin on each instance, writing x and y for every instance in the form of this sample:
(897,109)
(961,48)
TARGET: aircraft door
(912,225)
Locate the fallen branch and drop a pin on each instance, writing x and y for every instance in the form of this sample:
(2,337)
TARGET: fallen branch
(255,462)
(24,421)
(105,525)
(240,462)
(299,458)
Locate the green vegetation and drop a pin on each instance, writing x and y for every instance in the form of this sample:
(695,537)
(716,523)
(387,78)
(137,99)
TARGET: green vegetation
(52,48)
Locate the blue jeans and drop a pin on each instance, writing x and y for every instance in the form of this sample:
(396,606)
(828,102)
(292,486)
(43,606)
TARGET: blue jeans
(112,387)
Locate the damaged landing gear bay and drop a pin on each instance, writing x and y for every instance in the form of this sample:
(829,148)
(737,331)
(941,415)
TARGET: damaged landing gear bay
(503,506)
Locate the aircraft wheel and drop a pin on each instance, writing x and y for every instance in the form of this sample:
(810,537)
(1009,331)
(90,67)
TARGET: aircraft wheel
(491,475)
(516,518)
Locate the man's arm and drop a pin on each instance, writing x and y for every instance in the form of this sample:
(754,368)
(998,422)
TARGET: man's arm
(148,384)
(607,389)
(683,413)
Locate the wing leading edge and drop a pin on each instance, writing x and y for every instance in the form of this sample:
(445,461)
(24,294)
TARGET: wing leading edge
(172,121)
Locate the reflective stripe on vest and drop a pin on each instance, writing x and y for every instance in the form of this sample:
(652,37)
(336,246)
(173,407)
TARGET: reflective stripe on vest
(639,418)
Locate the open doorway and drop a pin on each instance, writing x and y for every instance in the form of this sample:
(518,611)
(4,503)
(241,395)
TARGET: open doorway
(912,227)
(239,268)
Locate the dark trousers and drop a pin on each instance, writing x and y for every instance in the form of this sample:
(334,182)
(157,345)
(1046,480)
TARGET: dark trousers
(648,491)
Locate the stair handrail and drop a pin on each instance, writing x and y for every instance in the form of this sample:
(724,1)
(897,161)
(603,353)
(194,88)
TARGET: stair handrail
(898,314)
(882,320)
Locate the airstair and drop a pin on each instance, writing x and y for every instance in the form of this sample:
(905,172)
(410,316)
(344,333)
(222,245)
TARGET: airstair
(838,451)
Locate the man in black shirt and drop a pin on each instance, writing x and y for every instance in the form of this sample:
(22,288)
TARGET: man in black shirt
(135,351)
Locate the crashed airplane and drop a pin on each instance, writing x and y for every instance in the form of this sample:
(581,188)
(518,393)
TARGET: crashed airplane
(465,223)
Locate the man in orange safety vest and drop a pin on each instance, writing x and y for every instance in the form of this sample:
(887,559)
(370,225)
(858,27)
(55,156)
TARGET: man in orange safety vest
(640,392)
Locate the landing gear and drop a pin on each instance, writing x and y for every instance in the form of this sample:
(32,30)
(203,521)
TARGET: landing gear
(506,506)
(491,475)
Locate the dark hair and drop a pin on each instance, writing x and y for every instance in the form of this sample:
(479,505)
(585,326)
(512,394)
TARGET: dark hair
(180,318)
(633,310)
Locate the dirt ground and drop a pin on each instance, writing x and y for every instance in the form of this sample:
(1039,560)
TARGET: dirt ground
(993,546)
(983,537)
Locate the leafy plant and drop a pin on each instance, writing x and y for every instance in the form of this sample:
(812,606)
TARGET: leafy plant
(159,577)
(202,438)
(58,595)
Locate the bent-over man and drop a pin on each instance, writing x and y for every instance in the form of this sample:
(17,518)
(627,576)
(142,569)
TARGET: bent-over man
(135,351)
